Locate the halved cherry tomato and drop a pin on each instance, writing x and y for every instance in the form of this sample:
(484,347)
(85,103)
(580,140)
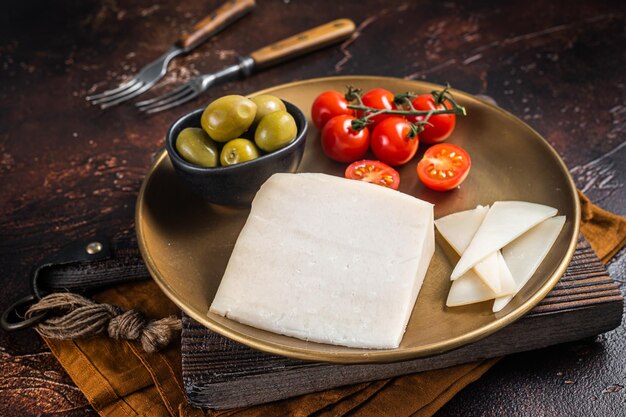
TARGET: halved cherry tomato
(441,125)
(328,105)
(379,98)
(374,172)
(391,142)
(444,167)
(342,143)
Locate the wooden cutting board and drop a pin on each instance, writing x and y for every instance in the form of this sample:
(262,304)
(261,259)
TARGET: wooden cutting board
(219,373)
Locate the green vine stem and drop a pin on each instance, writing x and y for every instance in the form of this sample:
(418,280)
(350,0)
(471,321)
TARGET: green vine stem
(403,99)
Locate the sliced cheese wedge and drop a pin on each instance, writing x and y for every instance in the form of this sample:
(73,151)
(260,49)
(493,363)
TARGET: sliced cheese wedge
(489,271)
(458,229)
(329,260)
(469,288)
(507,282)
(505,221)
(524,255)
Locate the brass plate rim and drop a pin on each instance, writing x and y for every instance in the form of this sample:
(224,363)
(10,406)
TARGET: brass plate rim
(381,356)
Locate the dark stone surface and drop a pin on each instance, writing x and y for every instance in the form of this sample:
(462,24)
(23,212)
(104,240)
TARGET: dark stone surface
(68,169)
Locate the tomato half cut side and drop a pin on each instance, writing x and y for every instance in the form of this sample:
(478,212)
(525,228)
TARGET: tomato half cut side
(444,167)
(374,172)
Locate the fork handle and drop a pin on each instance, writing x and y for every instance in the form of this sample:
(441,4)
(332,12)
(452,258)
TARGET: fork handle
(217,20)
(304,42)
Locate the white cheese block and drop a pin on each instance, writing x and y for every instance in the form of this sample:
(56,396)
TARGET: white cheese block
(329,260)
(505,221)
(524,255)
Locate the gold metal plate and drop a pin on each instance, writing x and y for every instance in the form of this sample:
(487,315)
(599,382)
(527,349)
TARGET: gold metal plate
(186,243)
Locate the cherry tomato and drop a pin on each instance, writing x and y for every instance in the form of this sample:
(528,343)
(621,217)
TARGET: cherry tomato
(379,98)
(444,167)
(391,142)
(374,172)
(342,143)
(328,105)
(441,125)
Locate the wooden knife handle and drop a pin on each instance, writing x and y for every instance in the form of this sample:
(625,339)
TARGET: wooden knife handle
(217,20)
(304,42)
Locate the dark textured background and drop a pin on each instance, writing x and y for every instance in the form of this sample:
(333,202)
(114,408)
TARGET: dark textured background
(68,169)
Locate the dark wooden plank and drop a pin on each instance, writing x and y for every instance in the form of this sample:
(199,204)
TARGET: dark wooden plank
(220,373)
(284,381)
(557,293)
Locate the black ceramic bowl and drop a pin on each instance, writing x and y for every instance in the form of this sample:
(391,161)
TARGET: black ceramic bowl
(235,185)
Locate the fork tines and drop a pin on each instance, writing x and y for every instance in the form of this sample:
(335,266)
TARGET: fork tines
(140,83)
(177,96)
(126,91)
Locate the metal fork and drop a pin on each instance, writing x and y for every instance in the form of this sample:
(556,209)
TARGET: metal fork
(219,19)
(280,51)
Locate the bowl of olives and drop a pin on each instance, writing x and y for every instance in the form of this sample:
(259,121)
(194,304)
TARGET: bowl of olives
(226,151)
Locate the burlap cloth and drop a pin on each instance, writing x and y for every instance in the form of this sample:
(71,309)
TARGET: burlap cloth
(121,380)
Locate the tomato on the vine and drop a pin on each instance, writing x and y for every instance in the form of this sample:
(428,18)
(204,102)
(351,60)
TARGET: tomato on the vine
(343,143)
(440,125)
(328,105)
(391,141)
(374,172)
(444,167)
(379,98)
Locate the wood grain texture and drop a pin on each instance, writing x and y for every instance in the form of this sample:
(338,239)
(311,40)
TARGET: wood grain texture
(68,170)
(215,21)
(303,42)
(220,373)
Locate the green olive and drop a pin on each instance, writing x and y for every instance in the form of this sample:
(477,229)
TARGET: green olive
(195,146)
(275,131)
(238,150)
(266,104)
(228,117)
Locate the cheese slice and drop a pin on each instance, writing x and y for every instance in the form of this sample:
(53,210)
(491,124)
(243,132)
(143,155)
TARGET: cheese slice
(507,282)
(505,221)
(489,271)
(329,260)
(469,288)
(524,255)
(458,229)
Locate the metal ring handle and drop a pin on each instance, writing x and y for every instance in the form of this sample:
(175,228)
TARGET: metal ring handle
(12,311)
